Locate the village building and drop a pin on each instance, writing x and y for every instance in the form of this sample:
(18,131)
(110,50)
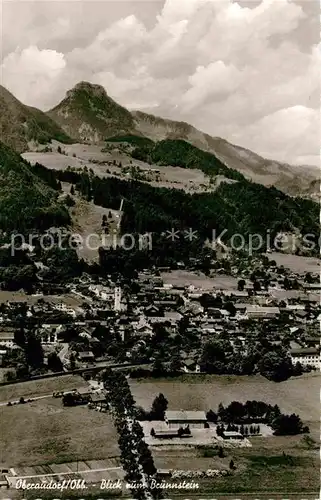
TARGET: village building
(182,418)
(307,356)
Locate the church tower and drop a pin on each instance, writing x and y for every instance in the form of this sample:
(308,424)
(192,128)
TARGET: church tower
(117,300)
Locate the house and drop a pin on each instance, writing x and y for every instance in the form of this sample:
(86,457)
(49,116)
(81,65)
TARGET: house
(173,316)
(190,366)
(306,356)
(182,418)
(312,341)
(144,330)
(98,400)
(232,435)
(7,338)
(152,310)
(169,434)
(4,483)
(312,286)
(258,312)
(214,312)
(86,356)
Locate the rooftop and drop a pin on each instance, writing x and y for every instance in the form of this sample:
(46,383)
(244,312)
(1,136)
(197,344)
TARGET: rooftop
(185,416)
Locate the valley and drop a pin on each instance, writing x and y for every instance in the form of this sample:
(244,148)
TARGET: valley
(172,358)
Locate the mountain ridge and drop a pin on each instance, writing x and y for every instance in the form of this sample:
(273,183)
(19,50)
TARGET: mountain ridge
(88,114)
(20,124)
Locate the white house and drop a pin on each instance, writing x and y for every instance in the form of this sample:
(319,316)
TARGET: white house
(306,356)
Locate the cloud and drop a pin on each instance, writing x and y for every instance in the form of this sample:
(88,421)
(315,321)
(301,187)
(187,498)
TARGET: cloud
(247,73)
(293,131)
(31,72)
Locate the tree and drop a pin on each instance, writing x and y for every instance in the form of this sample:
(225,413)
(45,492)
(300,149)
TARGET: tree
(54,362)
(241,285)
(34,351)
(221,452)
(159,407)
(72,361)
(275,365)
(285,425)
(221,411)
(229,306)
(211,416)
(152,432)
(232,466)
(308,278)
(175,364)
(72,190)
(20,337)
(236,410)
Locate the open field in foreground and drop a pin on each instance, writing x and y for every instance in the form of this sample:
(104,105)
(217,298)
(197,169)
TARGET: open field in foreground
(45,432)
(203,392)
(260,470)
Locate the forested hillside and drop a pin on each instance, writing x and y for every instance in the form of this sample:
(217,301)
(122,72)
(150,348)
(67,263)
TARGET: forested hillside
(26,202)
(241,207)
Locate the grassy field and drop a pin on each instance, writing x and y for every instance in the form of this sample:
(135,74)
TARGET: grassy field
(296,263)
(88,155)
(42,387)
(199,280)
(67,299)
(259,470)
(46,432)
(203,392)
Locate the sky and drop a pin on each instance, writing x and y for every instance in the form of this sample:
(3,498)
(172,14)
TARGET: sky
(244,70)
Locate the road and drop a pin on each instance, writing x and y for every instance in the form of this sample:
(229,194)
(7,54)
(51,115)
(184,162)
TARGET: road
(62,355)
(95,367)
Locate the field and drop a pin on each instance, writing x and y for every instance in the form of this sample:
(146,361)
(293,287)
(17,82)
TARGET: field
(296,263)
(44,432)
(203,392)
(261,469)
(69,300)
(90,156)
(199,280)
(37,388)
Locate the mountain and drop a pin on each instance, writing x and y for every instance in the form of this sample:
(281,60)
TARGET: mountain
(293,180)
(88,114)
(26,201)
(20,124)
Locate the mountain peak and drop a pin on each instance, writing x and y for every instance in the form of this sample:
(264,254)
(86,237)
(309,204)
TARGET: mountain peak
(90,115)
(90,88)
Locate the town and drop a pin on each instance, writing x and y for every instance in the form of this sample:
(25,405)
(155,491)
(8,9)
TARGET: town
(258,319)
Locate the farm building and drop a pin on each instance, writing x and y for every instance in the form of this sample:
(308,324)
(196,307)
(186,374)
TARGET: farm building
(194,419)
(232,435)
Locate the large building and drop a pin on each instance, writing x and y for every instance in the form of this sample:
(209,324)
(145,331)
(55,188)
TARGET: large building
(193,419)
(306,356)
(7,338)
(259,312)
